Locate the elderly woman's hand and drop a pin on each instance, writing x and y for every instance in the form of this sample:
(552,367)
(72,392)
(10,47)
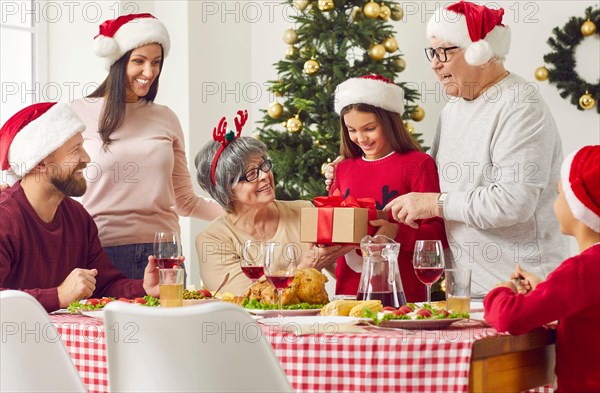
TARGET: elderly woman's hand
(320,257)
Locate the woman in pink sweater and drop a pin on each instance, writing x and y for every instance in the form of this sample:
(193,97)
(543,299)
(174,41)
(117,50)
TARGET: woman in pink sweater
(138,179)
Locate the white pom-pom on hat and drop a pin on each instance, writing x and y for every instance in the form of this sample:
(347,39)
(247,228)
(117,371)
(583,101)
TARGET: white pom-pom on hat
(104,46)
(479,53)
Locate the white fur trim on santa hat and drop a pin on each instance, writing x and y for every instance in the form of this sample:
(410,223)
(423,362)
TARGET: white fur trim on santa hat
(38,139)
(131,35)
(451,27)
(579,210)
(388,96)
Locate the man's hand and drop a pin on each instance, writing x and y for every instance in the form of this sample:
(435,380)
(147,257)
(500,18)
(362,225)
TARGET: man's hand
(330,171)
(79,284)
(4,186)
(525,281)
(151,277)
(386,228)
(320,257)
(413,206)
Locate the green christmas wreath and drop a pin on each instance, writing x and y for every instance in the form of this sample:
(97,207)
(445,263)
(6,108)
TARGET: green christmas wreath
(562,58)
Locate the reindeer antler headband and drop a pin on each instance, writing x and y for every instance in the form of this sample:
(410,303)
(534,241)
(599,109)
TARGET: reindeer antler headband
(224,137)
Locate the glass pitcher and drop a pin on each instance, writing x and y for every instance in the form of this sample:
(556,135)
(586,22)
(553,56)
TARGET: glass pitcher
(380,278)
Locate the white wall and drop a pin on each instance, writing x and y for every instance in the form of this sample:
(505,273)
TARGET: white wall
(223,51)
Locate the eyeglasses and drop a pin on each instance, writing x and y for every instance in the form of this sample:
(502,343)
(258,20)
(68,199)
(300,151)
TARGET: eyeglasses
(253,173)
(440,53)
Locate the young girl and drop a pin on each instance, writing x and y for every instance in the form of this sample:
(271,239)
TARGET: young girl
(571,293)
(382,161)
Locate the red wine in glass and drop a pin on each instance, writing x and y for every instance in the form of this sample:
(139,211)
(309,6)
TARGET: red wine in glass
(168,263)
(280,282)
(391,299)
(253,272)
(428,275)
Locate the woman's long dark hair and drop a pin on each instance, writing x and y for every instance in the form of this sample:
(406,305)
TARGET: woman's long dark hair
(393,127)
(114,91)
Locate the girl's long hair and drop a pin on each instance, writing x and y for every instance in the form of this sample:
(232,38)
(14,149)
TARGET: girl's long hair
(392,125)
(114,91)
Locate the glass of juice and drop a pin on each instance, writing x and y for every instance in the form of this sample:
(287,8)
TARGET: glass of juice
(170,285)
(458,290)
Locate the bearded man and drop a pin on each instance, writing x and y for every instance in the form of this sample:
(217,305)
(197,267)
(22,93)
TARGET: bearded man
(49,244)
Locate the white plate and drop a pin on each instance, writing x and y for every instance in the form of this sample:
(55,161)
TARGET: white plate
(420,324)
(98,314)
(285,313)
(316,324)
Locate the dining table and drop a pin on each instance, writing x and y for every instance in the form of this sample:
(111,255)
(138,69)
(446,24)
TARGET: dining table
(468,356)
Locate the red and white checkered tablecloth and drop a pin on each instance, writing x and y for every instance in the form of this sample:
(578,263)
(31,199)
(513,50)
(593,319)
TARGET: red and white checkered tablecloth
(375,361)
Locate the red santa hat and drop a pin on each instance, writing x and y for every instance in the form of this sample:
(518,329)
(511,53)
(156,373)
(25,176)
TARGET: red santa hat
(580,175)
(34,133)
(475,28)
(374,90)
(127,32)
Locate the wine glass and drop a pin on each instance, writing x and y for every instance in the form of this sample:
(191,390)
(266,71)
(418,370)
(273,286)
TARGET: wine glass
(280,267)
(167,249)
(428,262)
(252,260)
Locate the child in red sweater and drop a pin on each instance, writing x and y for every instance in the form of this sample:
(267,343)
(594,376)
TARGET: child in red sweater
(571,293)
(382,161)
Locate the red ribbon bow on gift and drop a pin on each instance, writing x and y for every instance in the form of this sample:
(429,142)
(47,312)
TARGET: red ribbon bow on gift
(336,200)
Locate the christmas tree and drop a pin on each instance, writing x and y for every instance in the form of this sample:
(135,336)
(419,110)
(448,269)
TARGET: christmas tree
(331,41)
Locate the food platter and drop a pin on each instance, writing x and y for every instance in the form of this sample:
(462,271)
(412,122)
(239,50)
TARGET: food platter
(98,314)
(420,324)
(285,313)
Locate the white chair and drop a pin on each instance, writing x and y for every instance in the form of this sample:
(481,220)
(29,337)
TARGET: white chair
(33,357)
(213,347)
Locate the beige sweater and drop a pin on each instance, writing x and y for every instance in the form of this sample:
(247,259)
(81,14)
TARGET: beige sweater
(219,247)
(142,184)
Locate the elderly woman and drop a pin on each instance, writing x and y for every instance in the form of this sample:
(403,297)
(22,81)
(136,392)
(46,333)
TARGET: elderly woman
(243,185)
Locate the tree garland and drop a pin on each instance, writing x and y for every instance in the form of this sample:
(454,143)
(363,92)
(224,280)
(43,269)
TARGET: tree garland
(564,43)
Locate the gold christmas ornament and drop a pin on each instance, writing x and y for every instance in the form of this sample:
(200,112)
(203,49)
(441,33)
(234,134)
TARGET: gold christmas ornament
(301,4)
(390,44)
(292,52)
(384,12)
(294,125)
(278,94)
(417,114)
(409,127)
(397,13)
(290,36)
(541,73)
(312,67)
(326,5)
(357,14)
(588,28)
(377,52)
(371,10)
(399,64)
(275,110)
(586,101)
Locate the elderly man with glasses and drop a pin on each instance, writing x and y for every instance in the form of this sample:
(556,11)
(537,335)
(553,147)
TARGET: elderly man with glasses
(238,175)
(498,153)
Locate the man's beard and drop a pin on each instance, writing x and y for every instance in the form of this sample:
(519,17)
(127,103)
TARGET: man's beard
(71,186)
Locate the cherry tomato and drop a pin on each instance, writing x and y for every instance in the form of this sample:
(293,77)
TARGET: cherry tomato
(398,312)
(424,313)
(205,292)
(124,299)
(389,308)
(92,301)
(444,313)
(406,309)
(105,300)
(139,300)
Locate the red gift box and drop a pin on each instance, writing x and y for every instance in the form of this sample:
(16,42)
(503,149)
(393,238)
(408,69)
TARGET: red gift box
(338,220)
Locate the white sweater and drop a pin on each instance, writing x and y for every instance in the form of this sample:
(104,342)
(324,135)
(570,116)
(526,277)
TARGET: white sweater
(499,159)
